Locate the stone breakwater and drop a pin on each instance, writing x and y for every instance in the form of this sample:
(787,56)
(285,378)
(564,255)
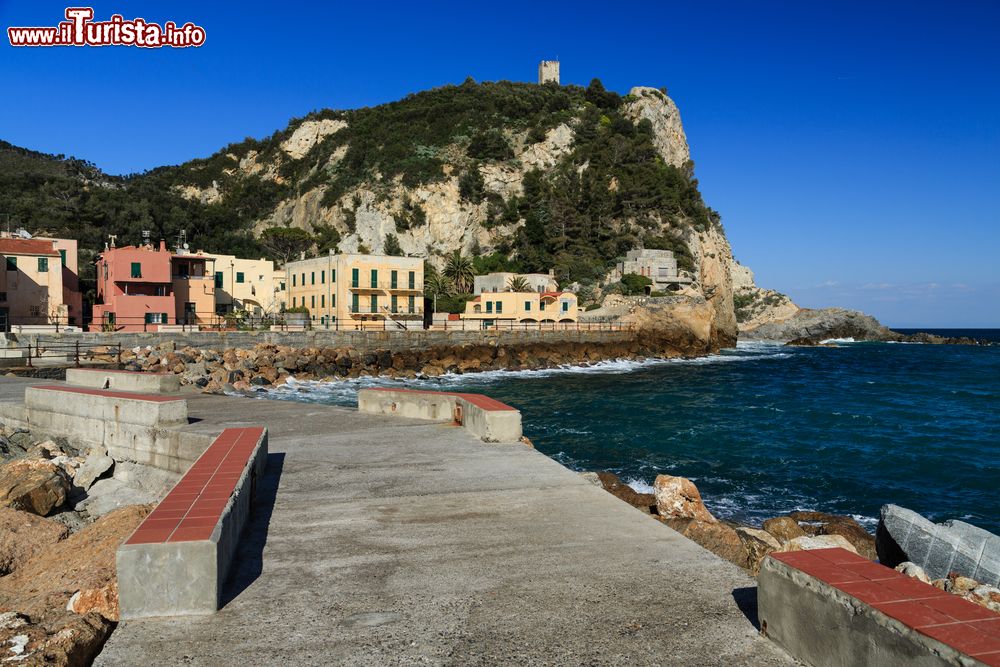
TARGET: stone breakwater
(676,502)
(270,365)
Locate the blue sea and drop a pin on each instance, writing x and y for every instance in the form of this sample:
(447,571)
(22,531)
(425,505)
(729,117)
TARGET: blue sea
(764,429)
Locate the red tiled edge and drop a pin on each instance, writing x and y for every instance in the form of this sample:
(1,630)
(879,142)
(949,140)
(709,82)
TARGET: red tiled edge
(194,506)
(110,394)
(963,625)
(479,400)
(113,370)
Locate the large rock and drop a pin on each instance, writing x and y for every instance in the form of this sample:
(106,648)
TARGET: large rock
(83,561)
(33,486)
(23,536)
(678,498)
(103,601)
(757,544)
(96,464)
(809,542)
(108,495)
(952,546)
(719,538)
(59,638)
(783,528)
(822,523)
(613,485)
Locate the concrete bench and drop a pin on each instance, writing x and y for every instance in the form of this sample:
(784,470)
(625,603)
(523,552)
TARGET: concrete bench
(133,427)
(483,416)
(833,607)
(104,378)
(177,560)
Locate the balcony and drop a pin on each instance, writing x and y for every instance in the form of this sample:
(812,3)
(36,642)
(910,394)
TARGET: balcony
(399,313)
(385,286)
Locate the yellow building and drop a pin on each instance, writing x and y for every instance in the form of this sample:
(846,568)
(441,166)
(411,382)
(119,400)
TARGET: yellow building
(31,286)
(352,291)
(498,308)
(246,284)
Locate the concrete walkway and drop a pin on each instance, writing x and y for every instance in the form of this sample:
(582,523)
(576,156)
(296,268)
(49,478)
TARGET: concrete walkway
(380,540)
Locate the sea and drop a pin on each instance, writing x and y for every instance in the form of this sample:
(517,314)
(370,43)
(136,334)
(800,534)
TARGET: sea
(765,429)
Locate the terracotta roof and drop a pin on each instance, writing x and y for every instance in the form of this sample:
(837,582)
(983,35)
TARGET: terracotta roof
(552,294)
(27,247)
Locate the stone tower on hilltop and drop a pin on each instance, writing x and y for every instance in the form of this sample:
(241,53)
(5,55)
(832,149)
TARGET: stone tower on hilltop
(548,70)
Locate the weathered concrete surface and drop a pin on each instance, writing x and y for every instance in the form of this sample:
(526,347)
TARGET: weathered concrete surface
(826,627)
(392,541)
(101,378)
(939,548)
(487,422)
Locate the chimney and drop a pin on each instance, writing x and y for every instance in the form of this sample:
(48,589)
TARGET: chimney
(163,245)
(302,255)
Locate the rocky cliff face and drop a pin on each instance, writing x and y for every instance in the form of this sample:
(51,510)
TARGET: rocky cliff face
(756,306)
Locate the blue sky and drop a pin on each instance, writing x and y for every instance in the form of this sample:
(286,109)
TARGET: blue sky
(853,148)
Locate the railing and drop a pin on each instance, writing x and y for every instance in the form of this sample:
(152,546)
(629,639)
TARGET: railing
(511,325)
(399,285)
(74,350)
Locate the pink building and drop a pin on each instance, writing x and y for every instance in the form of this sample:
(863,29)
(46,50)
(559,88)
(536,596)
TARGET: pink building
(141,287)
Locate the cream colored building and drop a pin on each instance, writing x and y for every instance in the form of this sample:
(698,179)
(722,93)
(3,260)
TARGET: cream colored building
(498,308)
(31,283)
(352,291)
(246,284)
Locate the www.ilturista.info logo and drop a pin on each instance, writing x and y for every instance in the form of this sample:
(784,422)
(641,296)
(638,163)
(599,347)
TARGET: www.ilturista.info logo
(79,29)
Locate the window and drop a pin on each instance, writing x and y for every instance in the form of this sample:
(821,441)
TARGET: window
(565,306)
(499,306)
(354,277)
(312,301)
(333,275)
(374,277)
(218,279)
(137,269)
(355,306)
(43,264)
(322,301)
(412,300)
(527,306)
(541,305)
(62,256)
(293,282)
(3,296)
(239,277)
(393,303)
(294,301)
(12,264)
(489,306)
(156,318)
(413,280)
(392,279)
(303,278)
(322,277)
(374,303)
(282,288)
(312,278)
(333,301)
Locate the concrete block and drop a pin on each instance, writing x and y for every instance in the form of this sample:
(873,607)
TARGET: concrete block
(952,546)
(103,378)
(482,416)
(111,406)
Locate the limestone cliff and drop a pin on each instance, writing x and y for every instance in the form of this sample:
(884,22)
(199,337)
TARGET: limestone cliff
(756,306)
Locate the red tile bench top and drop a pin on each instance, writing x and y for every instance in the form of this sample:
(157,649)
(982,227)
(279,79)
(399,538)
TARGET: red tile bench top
(479,400)
(153,398)
(963,625)
(194,506)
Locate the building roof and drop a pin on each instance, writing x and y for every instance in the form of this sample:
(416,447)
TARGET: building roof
(552,294)
(28,247)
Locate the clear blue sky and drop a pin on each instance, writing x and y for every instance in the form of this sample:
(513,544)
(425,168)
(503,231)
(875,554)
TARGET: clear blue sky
(853,148)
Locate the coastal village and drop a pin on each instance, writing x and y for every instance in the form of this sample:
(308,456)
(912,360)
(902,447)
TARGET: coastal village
(156,507)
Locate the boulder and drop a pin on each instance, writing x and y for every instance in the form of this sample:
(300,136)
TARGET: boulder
(108,495)
(58,638)
(619,489)
(757,544)
(33,486)
(822,523)
(96,464)
(23,536)
(678,497)
(985,596)
(961,585)
(83,561)
(952,546)
(719,538)
(808,542)
(783,528)
(913,570)
(103,601)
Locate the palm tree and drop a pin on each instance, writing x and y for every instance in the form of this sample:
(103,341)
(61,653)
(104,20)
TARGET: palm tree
(436,284)
(518,284)
(459,269)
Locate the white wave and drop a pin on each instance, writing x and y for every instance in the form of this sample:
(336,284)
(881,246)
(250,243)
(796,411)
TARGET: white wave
(829,341)
(639,486)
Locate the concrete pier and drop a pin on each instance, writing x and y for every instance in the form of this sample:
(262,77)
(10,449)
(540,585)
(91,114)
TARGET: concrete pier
(385,540)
